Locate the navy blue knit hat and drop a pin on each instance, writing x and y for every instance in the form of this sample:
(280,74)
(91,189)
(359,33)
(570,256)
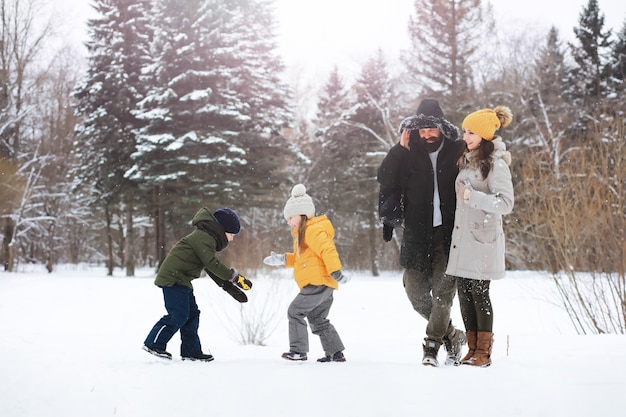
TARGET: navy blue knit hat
(228,219)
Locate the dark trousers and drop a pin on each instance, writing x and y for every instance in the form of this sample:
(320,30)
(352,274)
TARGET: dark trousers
(432,293)
(475,304)
(182,314)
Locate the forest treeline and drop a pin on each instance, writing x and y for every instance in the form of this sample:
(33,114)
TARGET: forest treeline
(182,105)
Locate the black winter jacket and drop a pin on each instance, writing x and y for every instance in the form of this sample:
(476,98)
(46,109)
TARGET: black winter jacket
(406,181)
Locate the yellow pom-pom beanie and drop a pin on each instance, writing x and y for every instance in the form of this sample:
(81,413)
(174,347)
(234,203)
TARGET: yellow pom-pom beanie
(485,122)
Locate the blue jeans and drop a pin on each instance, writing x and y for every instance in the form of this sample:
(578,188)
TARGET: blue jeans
(182,314)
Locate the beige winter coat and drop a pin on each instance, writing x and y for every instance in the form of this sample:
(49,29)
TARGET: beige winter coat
(477,249)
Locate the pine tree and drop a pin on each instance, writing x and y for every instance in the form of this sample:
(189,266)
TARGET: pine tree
(214,112)
(357,125)
(334,109)
(188,111)
(549,112)
(255,70)
(256,67)
(215,101)
(550,70)
(333,100)
(109,92)
(357,129)
(106,99)
(444,38)
(618,71)
(543,120)
(588,78)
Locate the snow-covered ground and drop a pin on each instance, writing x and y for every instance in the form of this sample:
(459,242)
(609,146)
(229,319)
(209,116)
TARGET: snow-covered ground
(71,346)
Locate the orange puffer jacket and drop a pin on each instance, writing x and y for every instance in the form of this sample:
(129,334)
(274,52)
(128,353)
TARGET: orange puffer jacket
(319,259)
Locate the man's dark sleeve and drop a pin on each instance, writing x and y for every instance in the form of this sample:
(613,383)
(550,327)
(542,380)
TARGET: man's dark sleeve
(390,197)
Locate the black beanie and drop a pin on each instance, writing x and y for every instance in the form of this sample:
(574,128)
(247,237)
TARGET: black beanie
(228,219)
(429,107)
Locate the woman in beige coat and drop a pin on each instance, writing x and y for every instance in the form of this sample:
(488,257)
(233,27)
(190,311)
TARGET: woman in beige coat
(484,193)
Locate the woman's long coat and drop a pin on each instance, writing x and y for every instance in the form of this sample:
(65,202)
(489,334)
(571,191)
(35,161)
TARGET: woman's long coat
(478,241)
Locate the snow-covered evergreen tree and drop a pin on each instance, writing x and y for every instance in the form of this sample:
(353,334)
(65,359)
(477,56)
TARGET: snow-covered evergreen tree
(539,148)
(215,104)
(588,82)
(357,128)
(256,68)
(548,110)
(618,71)
(255,75)
(333,102)
(550,70)
(214,110)
(117,50)
(444,37)
(334,109)
(189,112)
(376,121)
(109,92)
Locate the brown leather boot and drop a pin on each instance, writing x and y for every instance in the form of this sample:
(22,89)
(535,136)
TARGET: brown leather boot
(471,336)
(482,356)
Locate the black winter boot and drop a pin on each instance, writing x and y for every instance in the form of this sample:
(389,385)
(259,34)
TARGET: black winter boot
(202,357)
(157,352)
(337,357)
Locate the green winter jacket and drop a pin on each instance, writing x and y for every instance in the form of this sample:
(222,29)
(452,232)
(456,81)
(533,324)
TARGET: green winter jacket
(195,252)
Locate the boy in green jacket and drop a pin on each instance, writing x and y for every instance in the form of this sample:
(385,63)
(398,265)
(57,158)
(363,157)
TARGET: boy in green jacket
(184,263)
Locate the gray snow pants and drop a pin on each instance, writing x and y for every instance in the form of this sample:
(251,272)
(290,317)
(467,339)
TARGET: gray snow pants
(432,293)
(313,303)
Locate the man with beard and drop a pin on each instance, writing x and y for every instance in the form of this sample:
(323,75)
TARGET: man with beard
(412,194)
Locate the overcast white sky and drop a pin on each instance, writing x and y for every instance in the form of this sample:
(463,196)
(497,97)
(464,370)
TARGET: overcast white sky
(316,35)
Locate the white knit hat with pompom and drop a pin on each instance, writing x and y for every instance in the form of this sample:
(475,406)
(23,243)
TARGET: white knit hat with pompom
(299,203)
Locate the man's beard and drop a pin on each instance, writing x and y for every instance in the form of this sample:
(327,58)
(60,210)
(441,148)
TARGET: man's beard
(431,147)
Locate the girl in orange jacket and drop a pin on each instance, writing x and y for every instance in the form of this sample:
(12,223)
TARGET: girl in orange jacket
(317,271)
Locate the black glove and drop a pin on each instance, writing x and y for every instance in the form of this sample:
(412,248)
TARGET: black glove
(235,292)
(387,233)
(240,281)
(389,225)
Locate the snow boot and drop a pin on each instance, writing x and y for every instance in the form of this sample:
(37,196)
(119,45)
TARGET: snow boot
(337,357)
(294,356)
(452,344)
(482,355)
(431,348)
(157,352)
(471,345)
(202,357)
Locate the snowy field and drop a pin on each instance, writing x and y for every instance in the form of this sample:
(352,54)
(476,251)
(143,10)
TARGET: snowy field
(71,347)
